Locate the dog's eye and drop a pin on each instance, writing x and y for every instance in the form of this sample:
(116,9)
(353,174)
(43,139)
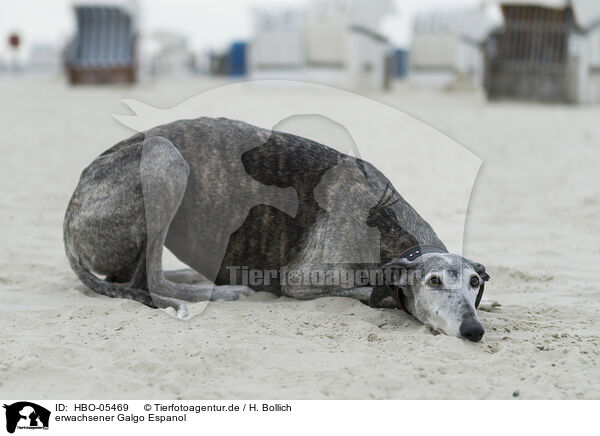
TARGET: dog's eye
(474,281)
(434,281)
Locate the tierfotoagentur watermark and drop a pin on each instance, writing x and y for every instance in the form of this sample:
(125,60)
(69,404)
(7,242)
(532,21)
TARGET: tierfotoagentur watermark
(346,278)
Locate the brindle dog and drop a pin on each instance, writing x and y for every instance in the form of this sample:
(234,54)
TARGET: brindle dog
(227,198)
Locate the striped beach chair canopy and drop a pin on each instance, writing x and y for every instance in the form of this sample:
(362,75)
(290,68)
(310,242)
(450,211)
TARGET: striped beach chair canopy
(105,37)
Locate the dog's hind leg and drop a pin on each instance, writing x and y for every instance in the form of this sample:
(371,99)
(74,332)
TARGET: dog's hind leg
(105,230)
(205,286)
(217,292)
(164,173)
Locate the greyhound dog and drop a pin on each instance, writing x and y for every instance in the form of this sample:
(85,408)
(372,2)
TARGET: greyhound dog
(234,201)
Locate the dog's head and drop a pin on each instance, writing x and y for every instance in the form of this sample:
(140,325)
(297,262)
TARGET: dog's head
(439,289)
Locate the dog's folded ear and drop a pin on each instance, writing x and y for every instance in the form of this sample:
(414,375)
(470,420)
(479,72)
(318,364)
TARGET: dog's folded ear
(480,269)
(388,277)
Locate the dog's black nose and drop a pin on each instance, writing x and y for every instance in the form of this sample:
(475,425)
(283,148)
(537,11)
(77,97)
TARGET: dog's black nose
(471,329)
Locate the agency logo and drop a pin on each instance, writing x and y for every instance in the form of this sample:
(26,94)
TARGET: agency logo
(26,415)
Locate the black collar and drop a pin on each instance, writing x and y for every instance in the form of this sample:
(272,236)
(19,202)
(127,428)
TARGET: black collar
(419,250)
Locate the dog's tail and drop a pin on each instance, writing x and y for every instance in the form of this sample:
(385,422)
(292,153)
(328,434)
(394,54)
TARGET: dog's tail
(109,289)
(103,287)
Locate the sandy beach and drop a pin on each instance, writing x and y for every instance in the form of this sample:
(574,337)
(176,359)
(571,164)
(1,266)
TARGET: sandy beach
(532,220)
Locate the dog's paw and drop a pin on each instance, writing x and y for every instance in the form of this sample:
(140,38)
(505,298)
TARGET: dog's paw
(182,311)
(177,310)
(230,292)
(489,306)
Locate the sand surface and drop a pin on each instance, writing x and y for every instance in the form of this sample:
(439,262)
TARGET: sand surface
(533,220)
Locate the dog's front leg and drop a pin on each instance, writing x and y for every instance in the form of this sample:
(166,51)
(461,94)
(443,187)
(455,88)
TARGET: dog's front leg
(362,293)
(307,293)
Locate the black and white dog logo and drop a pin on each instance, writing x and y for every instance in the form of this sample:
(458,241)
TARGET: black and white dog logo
(26,415)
